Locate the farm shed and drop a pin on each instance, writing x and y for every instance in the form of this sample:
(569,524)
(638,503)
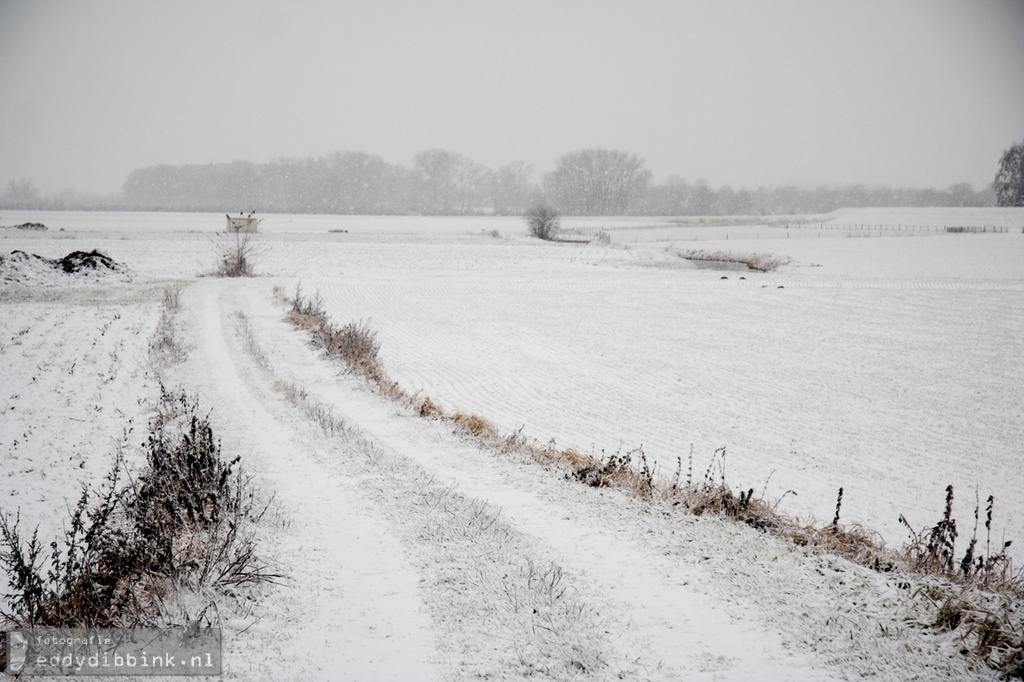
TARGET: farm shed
(242,223)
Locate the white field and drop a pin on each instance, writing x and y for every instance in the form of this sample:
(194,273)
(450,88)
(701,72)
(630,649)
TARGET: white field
(890,365)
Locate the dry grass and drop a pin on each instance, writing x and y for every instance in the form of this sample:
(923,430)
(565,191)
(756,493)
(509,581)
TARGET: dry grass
(993,632)
(171,299)
(355,343)
(856,543)
(474,425)
(316,410)
(762,262)
(934,551)
(164,347)
(615,472)
(575,459)
(429,409)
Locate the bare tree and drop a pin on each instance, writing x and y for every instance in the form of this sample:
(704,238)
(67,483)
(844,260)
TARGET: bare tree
(21,194)
(451,182)
(512,189)
(598,182)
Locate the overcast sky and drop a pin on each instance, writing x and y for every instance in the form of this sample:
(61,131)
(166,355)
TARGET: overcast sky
(899,92)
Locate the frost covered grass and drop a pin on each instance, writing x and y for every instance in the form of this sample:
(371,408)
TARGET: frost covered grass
(293,391)
(355,344)
(165,346)
(762,262)
(982,588)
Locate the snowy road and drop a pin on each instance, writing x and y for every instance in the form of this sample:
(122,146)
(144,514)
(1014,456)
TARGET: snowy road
(350,600)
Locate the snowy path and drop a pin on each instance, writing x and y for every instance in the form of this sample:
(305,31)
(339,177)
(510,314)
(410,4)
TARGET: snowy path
(350,602)
(413,554)
(666,622)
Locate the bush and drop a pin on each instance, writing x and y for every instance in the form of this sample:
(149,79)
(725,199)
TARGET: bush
(180,524)
(237,259)
(355,343)
(543,221)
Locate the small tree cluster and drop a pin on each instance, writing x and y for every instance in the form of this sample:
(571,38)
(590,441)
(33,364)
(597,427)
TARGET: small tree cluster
(543,221)
(237,258)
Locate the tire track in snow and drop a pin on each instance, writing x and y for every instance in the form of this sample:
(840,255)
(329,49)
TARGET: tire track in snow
(349,601)
(685,597)
(655,613)
(500,608)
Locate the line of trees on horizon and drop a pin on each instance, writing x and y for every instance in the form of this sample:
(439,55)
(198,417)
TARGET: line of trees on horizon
(440,182)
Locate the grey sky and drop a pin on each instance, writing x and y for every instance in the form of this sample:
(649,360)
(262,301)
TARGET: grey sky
(899,92)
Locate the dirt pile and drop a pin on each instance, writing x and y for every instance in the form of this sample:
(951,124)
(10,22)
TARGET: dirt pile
(28,269)
(77,261)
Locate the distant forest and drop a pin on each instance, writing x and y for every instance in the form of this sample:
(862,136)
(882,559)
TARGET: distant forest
(585,182)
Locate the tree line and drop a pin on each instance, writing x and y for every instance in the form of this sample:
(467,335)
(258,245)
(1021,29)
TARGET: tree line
(441,182)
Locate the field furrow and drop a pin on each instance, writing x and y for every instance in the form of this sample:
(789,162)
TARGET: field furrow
(892,393)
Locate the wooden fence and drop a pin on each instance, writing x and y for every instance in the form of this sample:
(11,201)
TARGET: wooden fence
(976,230)
(891,227)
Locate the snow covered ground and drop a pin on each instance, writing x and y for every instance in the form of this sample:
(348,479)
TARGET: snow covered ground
(886,365)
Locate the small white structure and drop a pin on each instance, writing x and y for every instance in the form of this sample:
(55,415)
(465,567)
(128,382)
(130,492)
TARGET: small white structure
(241,223)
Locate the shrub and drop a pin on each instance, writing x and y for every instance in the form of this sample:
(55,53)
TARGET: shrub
(543,221)
(180,524)
(355,343)
(185,485)
(237,258)
(81,587)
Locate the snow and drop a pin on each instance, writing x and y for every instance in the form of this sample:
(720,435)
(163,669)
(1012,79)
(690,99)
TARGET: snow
(848,375)
(75,385)
(350,600)
(886,365)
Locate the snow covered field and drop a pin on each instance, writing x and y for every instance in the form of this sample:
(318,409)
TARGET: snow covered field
(890,366)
